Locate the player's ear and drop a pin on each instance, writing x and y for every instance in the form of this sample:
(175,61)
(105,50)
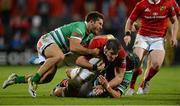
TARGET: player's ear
(105,49)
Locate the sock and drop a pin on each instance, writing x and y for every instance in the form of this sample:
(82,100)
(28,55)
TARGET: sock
(142,84)
(136,73)
(20,79)
(36,78)
(151,73)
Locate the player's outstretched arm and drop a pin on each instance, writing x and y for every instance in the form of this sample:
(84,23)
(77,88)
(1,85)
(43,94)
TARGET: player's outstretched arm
(76,47)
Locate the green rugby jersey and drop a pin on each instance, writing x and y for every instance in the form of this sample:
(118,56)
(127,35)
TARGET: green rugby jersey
(62,34)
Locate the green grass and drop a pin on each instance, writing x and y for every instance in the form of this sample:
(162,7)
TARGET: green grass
(165,90)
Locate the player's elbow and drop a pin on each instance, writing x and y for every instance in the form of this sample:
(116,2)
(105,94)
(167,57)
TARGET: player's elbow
(78,61)
(73,49)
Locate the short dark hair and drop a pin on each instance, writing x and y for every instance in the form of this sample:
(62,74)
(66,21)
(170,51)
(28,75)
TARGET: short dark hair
(94,15)
(113,44)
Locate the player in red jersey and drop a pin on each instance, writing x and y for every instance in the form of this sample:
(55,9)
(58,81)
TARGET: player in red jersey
(117,76)
(154,16)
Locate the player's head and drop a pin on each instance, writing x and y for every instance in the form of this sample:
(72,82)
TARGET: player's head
(94,21)
(111,49)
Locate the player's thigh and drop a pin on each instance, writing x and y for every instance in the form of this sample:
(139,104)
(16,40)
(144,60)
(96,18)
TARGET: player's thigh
(156,58)
(140,52)
(53,50)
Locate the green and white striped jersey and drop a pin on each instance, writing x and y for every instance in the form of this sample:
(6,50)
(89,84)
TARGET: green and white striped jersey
(62,34)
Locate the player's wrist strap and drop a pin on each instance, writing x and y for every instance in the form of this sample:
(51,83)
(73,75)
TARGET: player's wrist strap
(94,67)
(128,33)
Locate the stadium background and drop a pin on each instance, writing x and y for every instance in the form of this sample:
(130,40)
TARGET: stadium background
(22,22)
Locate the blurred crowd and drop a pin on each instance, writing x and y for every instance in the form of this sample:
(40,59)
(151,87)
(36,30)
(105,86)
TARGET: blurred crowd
(22,22)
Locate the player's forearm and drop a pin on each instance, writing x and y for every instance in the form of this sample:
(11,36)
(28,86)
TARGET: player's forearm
(175,27)
(81,50)
(84,63)
(128,26)
(113,93)
(76,47)
(118,78)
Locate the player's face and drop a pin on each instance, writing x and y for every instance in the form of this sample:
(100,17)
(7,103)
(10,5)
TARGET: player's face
(111,56)
(97,26)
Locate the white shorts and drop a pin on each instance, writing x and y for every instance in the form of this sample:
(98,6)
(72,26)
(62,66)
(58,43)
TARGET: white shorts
(149,43)
(43,42)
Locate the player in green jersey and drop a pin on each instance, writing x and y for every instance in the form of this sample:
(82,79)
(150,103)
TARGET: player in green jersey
(53,46)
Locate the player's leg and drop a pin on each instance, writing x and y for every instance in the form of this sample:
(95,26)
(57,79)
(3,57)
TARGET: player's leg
(48,76)
(140,52)
(53,55)
(140,89)
(15,79)
(156,57)
(126,81)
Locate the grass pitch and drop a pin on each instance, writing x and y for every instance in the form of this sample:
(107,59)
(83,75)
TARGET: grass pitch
(165,90)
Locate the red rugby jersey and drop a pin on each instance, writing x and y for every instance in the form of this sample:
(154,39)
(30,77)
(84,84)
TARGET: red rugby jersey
(154,17)
(100,41)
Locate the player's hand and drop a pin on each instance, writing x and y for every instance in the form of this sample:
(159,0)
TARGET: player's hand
(100,66)
(99,89)
(103,81)
(95,52)
(173,41)
(127,39)
(135,27)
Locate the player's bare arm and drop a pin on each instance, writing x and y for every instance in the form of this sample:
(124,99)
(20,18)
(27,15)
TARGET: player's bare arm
(174,30)
(118,77)
(128,28)
(83,62)
(105,84)
(76,47)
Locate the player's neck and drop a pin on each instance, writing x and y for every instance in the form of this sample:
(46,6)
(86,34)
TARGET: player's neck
(154,1)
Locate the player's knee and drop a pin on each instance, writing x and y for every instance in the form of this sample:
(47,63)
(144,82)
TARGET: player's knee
(156,65)
(59,58)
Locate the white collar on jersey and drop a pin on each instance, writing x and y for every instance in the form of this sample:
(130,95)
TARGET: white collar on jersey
(151,2)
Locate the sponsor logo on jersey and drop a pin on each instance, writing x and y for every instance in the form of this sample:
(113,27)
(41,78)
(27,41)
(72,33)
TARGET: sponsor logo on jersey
(162,8)
(147,10)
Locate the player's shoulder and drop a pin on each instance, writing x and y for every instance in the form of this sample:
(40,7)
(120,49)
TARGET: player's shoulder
(141,3)
(168,2)
(122,53)
(79,24)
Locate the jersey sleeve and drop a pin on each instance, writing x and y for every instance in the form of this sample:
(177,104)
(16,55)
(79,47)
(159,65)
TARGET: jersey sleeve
(171,9)
(77,32)
(176,7)
(121,59)
(136,12)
